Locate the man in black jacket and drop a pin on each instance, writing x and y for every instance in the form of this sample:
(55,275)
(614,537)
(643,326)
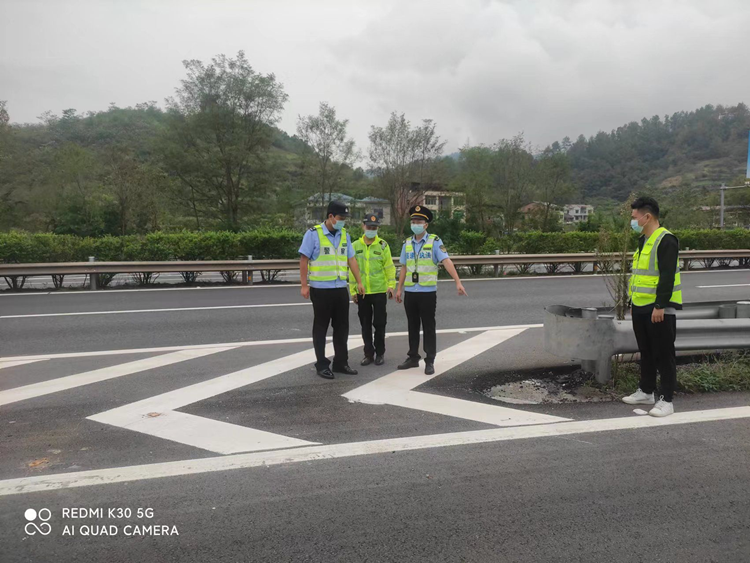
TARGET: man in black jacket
(655,294)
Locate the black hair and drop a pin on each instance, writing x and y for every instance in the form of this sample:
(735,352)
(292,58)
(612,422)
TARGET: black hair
(646,205)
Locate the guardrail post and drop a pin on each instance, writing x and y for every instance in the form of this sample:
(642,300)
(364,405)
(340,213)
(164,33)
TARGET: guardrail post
(727,311)
(93,278)
(496,267)
(249,273)
(743,309)
(589,313)
(244,276)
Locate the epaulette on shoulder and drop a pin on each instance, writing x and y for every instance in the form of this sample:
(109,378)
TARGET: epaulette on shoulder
(383,244)
(311,229)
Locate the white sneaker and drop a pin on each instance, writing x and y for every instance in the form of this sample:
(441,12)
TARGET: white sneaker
(639,398)
(662,408)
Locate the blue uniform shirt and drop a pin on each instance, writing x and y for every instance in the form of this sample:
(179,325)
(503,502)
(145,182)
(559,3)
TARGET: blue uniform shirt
(310,247)
(438,255)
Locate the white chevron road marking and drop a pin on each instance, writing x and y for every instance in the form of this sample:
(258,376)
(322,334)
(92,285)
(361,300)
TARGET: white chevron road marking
(157,415)
(396,388)
(335,451)
(88,377)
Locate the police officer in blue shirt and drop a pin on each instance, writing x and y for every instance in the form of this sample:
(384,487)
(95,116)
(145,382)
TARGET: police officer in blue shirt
(420,257)
(326,254)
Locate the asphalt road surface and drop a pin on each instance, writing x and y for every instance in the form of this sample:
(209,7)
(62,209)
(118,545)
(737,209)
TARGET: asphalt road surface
(189,425)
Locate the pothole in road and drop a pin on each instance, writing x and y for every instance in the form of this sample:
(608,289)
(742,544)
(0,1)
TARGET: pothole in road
(574,387)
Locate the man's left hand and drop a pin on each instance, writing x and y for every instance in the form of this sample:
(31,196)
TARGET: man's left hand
(360,288)
(657,316)
(390,293)
(460,288)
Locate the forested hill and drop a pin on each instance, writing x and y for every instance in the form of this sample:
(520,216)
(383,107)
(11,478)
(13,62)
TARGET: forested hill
(702,147)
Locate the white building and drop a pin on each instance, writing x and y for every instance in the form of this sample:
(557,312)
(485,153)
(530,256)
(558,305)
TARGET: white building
(313,210)
(440,202)
(577,213)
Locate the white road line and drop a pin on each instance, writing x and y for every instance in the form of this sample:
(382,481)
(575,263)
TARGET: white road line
(155,416)
(335,451)
(145,289)
(83,313)
(282,341)
(396,388)
(85,378)
(213,435)
(6,293)
(10,364)
(728,285)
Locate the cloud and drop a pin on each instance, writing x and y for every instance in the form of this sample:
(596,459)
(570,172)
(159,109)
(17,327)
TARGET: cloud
(482,69)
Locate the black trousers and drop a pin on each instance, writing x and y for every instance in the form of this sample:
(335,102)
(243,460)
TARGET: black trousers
(656,345)
(330,306)
(372,312)
(420,310)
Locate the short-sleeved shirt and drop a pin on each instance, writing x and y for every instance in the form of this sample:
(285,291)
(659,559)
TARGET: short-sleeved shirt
(438,255)
(310,247)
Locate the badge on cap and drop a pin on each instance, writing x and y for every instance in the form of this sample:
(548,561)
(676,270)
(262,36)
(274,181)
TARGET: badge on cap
(373,218)
(417,208)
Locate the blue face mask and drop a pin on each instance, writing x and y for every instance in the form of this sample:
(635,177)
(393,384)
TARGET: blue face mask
(417,228)
(635,226)
(338,225)
(371,234)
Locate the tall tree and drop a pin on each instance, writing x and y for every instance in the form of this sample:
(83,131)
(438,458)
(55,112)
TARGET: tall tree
(513,178)
(328,154)
(475,177)
(219,130)
(404,159)
(552,185)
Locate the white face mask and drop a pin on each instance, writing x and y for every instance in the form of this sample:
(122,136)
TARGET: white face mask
(371,233)
(636,226)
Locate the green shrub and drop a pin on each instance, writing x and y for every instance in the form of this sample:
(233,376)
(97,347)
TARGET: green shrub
(269,243)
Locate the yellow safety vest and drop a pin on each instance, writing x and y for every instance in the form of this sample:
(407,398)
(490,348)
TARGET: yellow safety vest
(331,264)
(422,264)
(375,266)
(645,278)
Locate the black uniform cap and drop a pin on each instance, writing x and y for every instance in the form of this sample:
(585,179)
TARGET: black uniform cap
(371,220)
(421,212)
(337,208)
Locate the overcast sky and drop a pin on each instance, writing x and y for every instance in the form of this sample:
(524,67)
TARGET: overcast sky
(482,69)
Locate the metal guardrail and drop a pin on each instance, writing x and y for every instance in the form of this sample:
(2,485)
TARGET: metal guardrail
(594,335)
(250,265)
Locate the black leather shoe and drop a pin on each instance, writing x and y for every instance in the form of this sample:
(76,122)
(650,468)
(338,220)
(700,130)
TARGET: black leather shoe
(429,369)
(365,361)
(409,363)
(325,373)
(345,369)
(379,360)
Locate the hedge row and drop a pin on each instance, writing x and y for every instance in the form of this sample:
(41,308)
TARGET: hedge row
(20,247)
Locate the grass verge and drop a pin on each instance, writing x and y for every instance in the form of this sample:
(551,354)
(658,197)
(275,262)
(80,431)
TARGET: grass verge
(729,371)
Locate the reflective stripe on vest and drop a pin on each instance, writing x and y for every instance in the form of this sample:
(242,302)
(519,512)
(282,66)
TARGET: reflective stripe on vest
(422,264)
(645,278)
(331,263)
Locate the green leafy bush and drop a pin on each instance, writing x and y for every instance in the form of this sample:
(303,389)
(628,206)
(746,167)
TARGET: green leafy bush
(270,243)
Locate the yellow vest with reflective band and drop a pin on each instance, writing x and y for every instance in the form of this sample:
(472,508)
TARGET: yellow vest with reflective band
(331,263)
(422,264)
(375,266)
(645,278)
